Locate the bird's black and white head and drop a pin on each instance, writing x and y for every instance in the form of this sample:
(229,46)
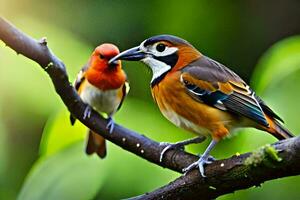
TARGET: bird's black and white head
(161,53)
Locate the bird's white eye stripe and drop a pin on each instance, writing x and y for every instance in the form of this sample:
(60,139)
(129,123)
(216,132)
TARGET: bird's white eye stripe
(167,50)
(157,51)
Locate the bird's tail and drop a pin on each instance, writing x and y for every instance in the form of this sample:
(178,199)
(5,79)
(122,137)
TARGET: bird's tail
(278,130)
(96,144)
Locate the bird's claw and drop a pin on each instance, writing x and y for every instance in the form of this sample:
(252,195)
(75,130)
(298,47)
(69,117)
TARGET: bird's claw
(198,164)
(190,167)
(87,112)
(110,124)
(168,147)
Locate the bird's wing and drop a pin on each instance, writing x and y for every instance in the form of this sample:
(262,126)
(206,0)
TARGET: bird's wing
(80,77)
(77,83)
(214,84)
(125,90)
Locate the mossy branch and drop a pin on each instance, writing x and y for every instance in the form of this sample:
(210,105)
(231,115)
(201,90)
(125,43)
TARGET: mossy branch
(223,176)
(270,162)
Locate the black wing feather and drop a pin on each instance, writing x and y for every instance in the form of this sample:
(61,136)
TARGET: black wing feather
(125,90)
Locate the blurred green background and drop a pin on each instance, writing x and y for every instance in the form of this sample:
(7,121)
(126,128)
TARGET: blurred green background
(42,156)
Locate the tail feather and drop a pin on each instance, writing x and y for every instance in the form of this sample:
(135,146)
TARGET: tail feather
(278,130)
(96,144)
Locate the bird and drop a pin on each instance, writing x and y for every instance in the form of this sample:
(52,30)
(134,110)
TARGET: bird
(201,95)
(102,86)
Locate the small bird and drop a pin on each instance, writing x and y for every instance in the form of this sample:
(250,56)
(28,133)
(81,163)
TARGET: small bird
(200,95)
(102,86)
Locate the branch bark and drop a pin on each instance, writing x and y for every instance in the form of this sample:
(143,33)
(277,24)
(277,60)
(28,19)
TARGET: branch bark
(223,176)
(236,173)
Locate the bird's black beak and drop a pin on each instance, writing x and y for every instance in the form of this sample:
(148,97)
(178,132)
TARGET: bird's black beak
(133,54)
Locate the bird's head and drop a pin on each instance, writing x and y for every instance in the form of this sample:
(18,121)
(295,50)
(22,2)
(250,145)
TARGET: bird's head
(102,54)
(101,73)
(162,53)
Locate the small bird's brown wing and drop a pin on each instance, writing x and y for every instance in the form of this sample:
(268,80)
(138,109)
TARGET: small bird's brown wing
(77,83)
(80,77)
(214,84)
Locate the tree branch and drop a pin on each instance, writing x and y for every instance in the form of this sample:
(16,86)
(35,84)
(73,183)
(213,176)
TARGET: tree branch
(282,159)
(223,176)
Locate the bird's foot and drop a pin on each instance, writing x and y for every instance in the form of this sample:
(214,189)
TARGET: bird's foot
(110,124)
(199,164)
(169,146)
(87,112)
(179,145)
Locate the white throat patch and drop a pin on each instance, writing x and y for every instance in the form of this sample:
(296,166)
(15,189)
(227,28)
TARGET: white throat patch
(158,67)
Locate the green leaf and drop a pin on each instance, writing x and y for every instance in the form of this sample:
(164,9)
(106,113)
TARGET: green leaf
(280,61)
(68,174)
(59,133)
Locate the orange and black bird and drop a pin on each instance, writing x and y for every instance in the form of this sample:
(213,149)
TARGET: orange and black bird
(201,95)
(102,86)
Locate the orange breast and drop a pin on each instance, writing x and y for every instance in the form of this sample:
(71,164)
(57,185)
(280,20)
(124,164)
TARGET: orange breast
(106,79)
(181,109)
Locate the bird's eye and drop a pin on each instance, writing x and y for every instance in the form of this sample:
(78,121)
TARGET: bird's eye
(160,47)
(101,56)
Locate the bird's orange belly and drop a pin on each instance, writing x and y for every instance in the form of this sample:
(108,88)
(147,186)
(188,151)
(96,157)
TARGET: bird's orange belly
(184,123)
(182,110)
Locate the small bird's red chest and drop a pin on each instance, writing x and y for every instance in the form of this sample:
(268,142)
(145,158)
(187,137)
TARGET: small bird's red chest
(182,110)
(106,79)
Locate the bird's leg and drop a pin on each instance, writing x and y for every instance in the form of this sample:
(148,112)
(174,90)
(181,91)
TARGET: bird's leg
(110,124)
(202,160)
(87,112)
(209,159)
(179,145)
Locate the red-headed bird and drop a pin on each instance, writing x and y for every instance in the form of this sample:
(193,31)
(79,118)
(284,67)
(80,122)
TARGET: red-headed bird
(199,94)
(103,87)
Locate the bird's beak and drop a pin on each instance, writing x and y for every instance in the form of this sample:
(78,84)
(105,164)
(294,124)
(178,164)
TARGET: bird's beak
(114,63)
(133,54)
